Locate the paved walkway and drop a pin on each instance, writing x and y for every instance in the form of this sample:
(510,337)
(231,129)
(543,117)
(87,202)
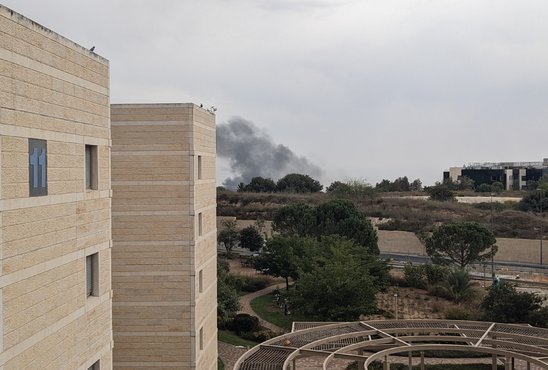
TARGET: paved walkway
(246,307)
(229,354)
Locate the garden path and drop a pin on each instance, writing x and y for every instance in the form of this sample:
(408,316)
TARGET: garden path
(245,302)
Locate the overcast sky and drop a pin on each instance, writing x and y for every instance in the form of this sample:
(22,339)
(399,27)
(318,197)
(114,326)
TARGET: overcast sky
(361,88)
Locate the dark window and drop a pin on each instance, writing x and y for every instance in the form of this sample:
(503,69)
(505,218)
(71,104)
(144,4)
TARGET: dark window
(199,167)
(91,167)
(95,366)
(38,179)
(92,275)
(200,224)
(201,281)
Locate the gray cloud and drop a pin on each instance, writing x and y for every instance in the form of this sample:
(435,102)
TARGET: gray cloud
(252,152)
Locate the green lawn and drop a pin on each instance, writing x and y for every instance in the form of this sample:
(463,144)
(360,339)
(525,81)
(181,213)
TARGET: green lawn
(231,338)
(266,309)
(220,365)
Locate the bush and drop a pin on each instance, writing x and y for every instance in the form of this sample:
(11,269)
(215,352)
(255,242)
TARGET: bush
(251,284)
(244,322)
(415,276)
(435,273)
(457,313)
(438,290)
(264,334)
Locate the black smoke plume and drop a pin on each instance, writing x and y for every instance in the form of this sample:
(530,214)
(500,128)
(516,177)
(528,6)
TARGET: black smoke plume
(252,153)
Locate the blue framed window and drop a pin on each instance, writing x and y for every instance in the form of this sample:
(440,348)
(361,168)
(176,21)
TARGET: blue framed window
(38,169)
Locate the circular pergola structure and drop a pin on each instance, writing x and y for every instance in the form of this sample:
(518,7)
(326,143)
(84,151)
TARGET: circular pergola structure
(368,341)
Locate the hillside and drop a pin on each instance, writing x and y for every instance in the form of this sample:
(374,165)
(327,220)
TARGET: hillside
(396,212)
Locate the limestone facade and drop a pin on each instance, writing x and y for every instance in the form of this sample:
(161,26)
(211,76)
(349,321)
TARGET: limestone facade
(54,93)
(164,237)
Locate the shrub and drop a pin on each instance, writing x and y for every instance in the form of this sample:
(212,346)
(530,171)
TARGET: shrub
(415,276)
(435,273)
(244,322)
(264,334)
(251,284)
(457,313)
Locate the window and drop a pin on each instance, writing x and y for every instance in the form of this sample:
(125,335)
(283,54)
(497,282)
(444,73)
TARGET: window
(201,281)
(91,167)
(199,167)
(38,179)
(200,224)
(92,275)
(201,339)
(95,366)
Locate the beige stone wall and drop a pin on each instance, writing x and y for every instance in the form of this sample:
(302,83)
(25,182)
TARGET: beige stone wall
(55,90)
(510,250)
(158,309)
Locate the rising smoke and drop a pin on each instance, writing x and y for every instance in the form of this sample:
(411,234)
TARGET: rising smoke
(252,153)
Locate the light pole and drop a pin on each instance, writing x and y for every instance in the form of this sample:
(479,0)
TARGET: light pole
(492,254)
(541,199)
(396,304)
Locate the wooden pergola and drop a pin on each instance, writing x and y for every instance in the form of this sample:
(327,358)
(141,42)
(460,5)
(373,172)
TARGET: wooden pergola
(368,341)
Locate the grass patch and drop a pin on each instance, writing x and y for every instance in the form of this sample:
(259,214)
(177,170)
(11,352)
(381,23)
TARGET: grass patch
(220,365)
(265,308)
(231,338)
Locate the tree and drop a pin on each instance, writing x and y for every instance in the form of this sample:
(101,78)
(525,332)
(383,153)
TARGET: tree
(461,243)
(341,283)
(416,185)
(399,184)
(282,257)
(251,238)
(229,236)
(228,301)
(504,303)
(341,217)
(298,183)
(336,217)
(497,187)
(336,186)
(465,183)
(357,188)
(259,185)
(484,188)
(535,201)
(457,286)
(297,219)
(440,192)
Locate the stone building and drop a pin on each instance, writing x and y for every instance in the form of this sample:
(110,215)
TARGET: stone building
(164,237)
(55,235)
(512,175)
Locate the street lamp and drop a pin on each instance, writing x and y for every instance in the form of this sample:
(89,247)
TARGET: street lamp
(396,304)
(492,254)
(541,199)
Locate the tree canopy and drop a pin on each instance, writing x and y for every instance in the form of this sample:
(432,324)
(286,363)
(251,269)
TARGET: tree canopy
(251,238)
(298,183)
(336,217)
(461,243)
(284,257)
(399,184)
(339,282)
(504,303)
(228,301)
(535,201)
(258,185)
(352,188)
(440,192)
(229,236)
